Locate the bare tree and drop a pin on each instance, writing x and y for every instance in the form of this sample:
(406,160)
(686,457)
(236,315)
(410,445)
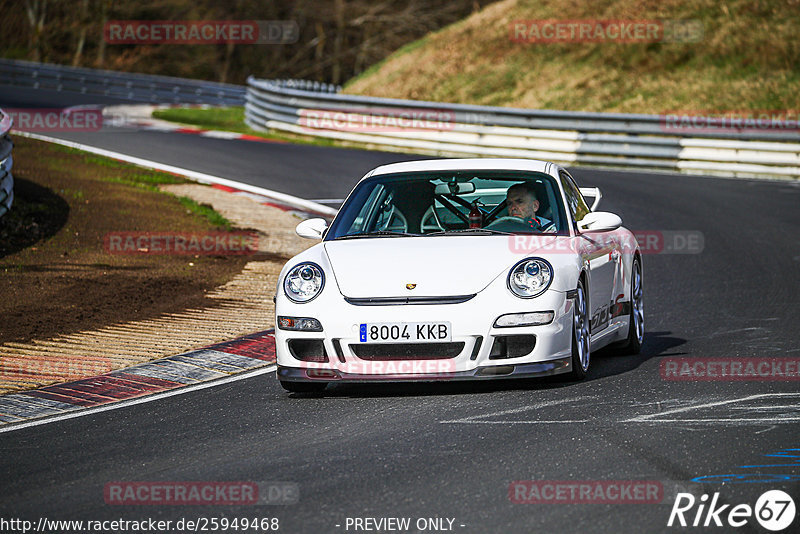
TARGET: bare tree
(338,38)
(36,11)
(338,41)
(83,22)
(101,43)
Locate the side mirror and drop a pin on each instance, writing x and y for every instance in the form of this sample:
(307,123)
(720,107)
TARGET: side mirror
(600,221)
(312,228)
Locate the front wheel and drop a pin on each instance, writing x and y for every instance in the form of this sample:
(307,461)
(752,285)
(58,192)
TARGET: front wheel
(581,343)
(633,345)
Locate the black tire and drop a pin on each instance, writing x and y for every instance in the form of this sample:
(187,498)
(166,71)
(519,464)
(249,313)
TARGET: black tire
(633,344)
(303,387)
(581,346)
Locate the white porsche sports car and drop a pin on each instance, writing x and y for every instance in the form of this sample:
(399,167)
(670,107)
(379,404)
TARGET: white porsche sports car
(458,269)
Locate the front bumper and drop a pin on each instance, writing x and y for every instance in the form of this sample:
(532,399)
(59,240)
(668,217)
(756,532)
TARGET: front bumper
(526,370)
(472,330)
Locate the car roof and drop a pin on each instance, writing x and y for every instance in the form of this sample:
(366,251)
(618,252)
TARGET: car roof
(463,164)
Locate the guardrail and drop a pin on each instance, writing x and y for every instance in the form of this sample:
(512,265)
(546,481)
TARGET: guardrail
(6,162)
(122,85)
(570,138)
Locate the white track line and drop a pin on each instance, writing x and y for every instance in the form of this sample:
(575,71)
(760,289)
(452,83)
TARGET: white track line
(537,422)
(535,406)
(654,418)
(715,420)
(11,427)
(659,415)
(194,175)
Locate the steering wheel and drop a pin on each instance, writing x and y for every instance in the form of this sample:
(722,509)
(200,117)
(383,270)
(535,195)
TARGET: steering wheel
(508,224)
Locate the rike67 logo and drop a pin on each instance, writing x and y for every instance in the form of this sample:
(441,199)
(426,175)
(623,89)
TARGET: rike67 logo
(774,510)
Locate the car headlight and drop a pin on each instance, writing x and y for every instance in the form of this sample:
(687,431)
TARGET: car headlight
(530,278)
(303,282)
(300,324)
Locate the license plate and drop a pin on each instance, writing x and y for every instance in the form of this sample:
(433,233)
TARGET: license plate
(404,332)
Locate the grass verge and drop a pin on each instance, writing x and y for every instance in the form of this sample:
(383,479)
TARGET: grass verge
(746,59)
(231,119)
(57,277)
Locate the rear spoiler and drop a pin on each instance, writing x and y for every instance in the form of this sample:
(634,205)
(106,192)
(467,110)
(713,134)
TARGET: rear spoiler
(593,192)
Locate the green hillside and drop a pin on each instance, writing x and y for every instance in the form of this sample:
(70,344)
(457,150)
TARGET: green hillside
(748,58)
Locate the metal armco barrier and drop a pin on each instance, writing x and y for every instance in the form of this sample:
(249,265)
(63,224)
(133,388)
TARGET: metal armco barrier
(126,86)
(6,180)
(570,138)
(633,141)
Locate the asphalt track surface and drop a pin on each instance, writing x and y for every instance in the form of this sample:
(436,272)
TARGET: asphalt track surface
(451,450)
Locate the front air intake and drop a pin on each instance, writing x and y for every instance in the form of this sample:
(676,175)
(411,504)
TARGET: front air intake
(308,350)
(407,351)
(512,346)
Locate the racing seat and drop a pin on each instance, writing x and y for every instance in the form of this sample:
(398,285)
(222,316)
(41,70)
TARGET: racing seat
(413,200)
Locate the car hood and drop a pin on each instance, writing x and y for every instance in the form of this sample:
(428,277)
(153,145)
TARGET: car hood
(439,266)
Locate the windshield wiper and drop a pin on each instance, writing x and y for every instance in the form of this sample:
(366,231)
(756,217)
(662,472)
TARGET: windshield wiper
(383,233)
(485,231)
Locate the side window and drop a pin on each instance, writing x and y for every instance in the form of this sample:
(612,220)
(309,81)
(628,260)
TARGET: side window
(575,202)
(384,213)
(360,222)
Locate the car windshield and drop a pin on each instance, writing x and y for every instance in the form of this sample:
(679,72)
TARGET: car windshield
(451,203)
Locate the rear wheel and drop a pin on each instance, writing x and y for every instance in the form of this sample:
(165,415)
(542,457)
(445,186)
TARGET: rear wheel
(581,343)
(633,345)
(303,387)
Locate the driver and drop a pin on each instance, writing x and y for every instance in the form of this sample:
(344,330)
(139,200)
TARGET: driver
(522,203)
